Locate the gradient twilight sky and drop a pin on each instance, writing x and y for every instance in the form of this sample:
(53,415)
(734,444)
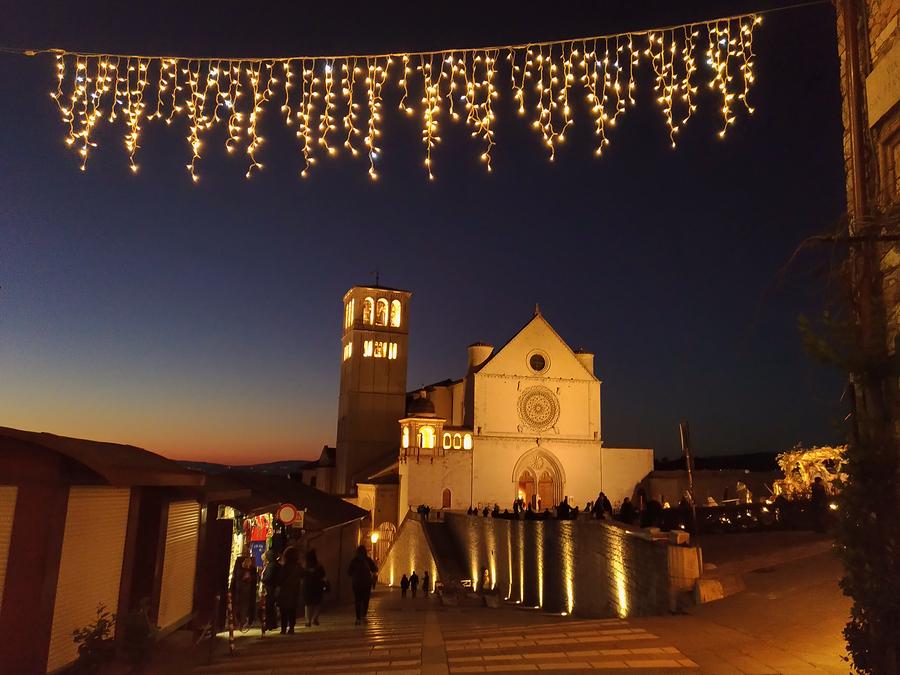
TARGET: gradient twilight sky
(203,321)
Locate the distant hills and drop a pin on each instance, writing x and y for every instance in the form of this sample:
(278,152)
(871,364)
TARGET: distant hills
(280,468)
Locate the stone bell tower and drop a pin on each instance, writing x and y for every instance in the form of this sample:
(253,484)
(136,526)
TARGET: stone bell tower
(373,381)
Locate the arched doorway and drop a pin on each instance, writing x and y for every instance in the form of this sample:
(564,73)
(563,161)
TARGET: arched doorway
(445,498)
(539,479)
(385,537)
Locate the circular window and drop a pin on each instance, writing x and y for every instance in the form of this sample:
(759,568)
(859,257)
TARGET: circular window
(537,362)
(538,408)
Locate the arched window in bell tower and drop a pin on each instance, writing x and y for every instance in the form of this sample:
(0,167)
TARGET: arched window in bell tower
(368,310)
(381,312)
(395,313)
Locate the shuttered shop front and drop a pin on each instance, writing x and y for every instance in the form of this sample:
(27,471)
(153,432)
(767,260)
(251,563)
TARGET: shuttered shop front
(7,514)
(90,568)
(176,599)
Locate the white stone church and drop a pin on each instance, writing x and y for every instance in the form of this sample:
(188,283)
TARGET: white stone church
(523,422)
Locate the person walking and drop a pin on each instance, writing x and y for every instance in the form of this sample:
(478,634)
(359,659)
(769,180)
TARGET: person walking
(414,583)
(404,585)
(426,584)
(314,583)
(270,584)
(290,579)
(361,570)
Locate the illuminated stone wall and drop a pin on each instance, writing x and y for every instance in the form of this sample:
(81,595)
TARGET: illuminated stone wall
(584,567)
(410,551)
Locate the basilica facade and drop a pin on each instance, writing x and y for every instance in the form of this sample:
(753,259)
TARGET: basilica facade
(523,421)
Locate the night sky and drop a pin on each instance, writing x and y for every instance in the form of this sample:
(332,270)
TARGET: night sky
(203,321)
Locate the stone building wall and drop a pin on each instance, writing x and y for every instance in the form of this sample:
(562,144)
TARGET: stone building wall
(584,567)
(879,40)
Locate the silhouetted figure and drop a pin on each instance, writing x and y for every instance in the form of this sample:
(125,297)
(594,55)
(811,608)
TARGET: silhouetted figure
(484,512)
(404,585)
(817,502)
(426,584)
(563,510)
(651,516)
(627,512)
(414,583)
(495,512)
(290,579)
(314,584)
(361,570)
(243,589)
(270,583)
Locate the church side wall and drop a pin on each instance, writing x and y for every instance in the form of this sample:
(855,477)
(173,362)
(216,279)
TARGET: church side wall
(622,469)
(583,567)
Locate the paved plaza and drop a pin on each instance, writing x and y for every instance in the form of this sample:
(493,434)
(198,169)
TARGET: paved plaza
(788,620)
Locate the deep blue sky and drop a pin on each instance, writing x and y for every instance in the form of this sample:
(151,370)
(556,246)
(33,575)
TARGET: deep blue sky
(203,321)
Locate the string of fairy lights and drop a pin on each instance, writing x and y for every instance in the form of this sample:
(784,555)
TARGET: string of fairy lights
(336,104)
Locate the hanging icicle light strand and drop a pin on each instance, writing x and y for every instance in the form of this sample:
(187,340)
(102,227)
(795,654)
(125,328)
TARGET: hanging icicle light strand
(319,94)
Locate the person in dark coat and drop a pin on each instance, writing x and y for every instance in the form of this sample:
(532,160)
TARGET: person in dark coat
(426,584)
(290,579)
(404,584)
(627,512)
(817,501)
(414,583)
(243,590)
(270,584)
(361,570)
(313,587)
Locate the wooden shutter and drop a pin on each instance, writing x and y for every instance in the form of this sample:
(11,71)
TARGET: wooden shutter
(176,599)
(90,568)
(7,514)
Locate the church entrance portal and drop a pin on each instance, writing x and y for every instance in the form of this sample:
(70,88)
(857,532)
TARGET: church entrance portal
(539,480)
(540,493)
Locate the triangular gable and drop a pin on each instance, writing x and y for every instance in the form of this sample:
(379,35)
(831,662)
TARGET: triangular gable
(511,358)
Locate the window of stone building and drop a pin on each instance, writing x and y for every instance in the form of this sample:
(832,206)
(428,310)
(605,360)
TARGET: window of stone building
(348,313)
(367,347)
(392,350)
(381,312)
(457,441)
(467,441)
(426,437)
(380,349)
(395,313)
(369,310)
(405,436)
(447,442)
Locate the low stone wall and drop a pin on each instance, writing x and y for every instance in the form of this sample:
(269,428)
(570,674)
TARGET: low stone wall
(583,567)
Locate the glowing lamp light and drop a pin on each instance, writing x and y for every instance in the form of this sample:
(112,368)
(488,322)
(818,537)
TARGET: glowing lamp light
(374,537)
(450,84)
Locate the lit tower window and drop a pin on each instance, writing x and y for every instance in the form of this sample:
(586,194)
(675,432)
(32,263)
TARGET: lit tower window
(395,313)
(381,312)
(368,310)
(405,436)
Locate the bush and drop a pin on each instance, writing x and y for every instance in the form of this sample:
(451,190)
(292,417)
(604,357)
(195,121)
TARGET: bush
(96,647)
